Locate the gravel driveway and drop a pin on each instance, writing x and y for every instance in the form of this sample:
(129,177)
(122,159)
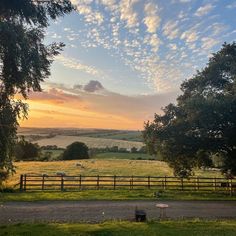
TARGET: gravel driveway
(96,211)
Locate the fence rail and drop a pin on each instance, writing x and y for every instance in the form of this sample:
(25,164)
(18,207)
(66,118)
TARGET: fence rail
(80,182)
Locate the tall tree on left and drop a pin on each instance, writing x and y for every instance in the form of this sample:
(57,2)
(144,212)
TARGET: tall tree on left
(24,62)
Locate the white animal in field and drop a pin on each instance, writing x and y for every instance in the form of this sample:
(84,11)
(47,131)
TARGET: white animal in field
(61,173)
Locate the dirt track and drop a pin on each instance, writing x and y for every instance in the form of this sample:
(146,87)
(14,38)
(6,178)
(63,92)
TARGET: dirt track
(96,211)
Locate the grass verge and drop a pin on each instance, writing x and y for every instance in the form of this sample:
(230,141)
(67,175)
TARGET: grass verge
(112,195)
(116,228)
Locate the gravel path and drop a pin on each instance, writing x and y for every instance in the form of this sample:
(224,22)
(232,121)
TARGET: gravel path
(96,211)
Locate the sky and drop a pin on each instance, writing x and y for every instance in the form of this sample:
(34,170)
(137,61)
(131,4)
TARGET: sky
(125,59)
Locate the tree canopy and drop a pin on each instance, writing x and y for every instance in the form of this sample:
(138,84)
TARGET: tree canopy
(24,61)
(25,150)
(203,122)
(76,150)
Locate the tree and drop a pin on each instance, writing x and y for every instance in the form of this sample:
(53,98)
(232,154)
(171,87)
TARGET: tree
(203,122)
(76,150)
(25,150)
(24,62)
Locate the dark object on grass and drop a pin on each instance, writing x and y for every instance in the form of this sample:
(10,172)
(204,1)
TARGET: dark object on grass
(140,215)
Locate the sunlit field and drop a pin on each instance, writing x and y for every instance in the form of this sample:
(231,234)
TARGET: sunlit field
(63,141)
(99,167)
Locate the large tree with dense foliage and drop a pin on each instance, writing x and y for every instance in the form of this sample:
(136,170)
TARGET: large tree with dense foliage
(203,122)
(76,150)
(25,150)
(24,62)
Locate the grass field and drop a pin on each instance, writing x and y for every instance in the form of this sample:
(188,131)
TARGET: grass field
(92,167)
(55,154)
(127,156)
(63,141)
(100,167)
(123,228)
(94,133)
(119,135)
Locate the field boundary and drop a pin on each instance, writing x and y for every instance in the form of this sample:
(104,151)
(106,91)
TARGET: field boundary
(61,182)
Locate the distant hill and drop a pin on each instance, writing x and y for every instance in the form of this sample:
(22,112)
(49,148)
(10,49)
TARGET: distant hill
(100,137)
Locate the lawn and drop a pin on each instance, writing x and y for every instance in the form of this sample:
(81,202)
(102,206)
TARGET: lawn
(113,195)
(123,228)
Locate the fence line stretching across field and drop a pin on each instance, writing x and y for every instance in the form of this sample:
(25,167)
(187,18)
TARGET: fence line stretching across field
(80,182)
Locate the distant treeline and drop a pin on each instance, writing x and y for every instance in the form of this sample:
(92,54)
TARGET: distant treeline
(27,151)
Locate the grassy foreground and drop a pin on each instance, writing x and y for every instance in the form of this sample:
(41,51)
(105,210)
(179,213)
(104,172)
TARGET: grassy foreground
(112,195)
(175,228)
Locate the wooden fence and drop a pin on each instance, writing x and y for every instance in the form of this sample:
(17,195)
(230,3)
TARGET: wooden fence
(68,183)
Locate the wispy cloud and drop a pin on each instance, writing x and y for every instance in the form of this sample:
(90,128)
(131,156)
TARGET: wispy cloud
(231,6)
(77,65)
(170,29)
(208,43)
(203,10)
(189,36)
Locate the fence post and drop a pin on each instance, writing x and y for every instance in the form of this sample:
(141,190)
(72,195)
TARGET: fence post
(21,183)
(25,182)
(132,179)
(80,181)
(62,183)
(197,183)
(149,182)
(43,182)
(165,183)
(98,182)
(114,182)
(182,184)
(215,185)
(231,187)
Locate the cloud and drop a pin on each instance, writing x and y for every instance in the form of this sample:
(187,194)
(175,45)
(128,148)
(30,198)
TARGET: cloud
(208,43)
(93,86)
(189,36)
(110,4)
(231,6)
(170,29)
(185,1)
(103,110)
(153,41)
(203,10)
(152,19)
(53,96)
(173,46)
(91,16)
(128,14)
(77,65)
